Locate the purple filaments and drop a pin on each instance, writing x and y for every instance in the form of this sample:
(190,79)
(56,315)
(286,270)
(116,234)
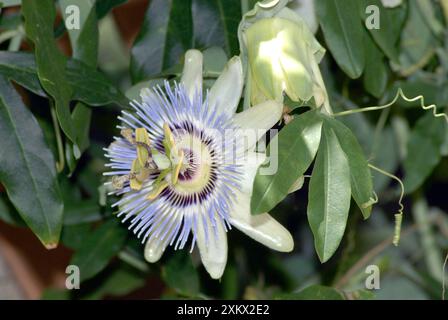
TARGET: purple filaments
(204,192)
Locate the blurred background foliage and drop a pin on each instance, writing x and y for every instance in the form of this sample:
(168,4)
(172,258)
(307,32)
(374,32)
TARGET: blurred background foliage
(61,91)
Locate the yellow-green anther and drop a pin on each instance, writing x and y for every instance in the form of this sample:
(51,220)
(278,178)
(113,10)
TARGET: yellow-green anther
(175,156)
(142,140)
(168,140)
(176,168)
(135,183)
(157,190)
(118,181)
(161,176)
(128,135)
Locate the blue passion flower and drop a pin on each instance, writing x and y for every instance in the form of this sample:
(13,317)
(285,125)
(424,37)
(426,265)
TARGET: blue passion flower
(185,164)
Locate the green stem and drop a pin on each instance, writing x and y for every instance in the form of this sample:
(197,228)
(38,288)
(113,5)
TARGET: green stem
(133,261)
(61,162)
(399,215)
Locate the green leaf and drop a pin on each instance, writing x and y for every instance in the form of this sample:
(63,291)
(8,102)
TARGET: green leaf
(423,153)
(375,75)
(28,169)
(73,236)
(385,153)
(121,281)
(216,24)
(230,282)
(91,86)
(82,212)
(391,23)
(343,34)
(315,292)
(21,68)
(297,145)
(81,117)
(8,213)
(84,42)
(166,33)
(360,175)
(98,248)
(51,63)
(417,42)
(329,195)
(180,274)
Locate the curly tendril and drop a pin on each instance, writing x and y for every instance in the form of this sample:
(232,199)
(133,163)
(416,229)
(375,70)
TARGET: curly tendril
(399,215)
(399,94)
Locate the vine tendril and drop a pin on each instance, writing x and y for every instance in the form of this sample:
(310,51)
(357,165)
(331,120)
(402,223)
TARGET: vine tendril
(399,215)
(397,96)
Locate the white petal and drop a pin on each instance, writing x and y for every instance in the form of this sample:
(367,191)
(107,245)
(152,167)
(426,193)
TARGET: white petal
(266,230)
(256,120)
(262,228)
(192,73)
(213,250)
(251,162)
(226,91)
(154,249)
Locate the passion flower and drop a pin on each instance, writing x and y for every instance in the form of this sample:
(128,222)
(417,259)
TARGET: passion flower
(185,163)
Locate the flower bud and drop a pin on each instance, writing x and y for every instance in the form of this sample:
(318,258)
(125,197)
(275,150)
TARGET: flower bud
(282,56)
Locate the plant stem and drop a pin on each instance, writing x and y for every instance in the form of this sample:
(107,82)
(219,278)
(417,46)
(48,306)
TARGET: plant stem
(57,131)
(133,261)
